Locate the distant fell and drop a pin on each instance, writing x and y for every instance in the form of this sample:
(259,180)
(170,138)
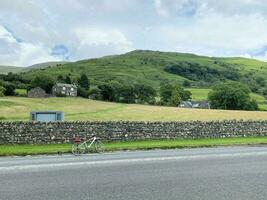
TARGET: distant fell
(45,64)
(6,69)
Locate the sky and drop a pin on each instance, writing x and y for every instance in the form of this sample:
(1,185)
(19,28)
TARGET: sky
(35,31)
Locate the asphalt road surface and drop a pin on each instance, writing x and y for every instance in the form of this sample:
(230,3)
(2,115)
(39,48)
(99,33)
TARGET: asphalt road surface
(208,174)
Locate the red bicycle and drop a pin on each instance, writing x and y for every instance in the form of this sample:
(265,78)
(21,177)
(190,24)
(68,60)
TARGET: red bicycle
(93,144)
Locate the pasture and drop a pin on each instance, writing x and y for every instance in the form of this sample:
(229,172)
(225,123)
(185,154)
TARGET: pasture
(18,108)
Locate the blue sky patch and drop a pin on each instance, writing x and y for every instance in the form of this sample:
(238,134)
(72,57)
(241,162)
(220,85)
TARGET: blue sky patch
(60,51)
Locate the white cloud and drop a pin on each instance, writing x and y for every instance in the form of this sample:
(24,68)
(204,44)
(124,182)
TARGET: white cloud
(14,52)
(33,30)
(217,32)
(166,8)
(94,41)
(226,7)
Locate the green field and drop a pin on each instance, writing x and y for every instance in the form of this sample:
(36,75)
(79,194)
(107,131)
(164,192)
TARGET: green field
(199,93)
(21,91)
(22,150)
(18,108)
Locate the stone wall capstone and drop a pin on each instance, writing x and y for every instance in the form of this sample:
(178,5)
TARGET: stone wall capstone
(63,132)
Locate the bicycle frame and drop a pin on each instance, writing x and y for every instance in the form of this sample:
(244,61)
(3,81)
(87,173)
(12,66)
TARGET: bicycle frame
(91,140)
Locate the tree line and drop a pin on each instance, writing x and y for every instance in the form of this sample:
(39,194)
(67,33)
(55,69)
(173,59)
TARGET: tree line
(224,95)
(206,76)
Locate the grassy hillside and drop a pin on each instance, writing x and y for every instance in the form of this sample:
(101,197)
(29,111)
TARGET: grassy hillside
(151,67)
(44,65)
(6,69)
(13,69)
(18,108)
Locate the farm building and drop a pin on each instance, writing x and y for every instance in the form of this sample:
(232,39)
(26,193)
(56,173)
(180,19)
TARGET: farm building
(64,89)
(36,93)
(195,104)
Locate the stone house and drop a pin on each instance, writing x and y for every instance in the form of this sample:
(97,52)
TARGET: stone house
(62,89)
(195,104)
(37,93)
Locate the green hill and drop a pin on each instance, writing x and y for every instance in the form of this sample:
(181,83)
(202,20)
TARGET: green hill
(13,69)
(154,67)
(45,65)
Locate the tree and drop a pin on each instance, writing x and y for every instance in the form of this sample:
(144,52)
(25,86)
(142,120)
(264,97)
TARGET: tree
(186,83)
(231,96)
(264,91)
(60,78)
(107,92)
(170,92)
(261,81)
(175,98)
(165,92)
(68,80)
(144,93)
(43,81)
(95,93)
(9,89)
(126,94)
(185,95)
(84,81)
(2,91)
(82,92)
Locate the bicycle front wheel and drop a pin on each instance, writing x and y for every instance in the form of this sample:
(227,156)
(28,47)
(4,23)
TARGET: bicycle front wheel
(99,147)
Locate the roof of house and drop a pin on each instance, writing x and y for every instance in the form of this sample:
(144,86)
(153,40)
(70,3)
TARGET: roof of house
(36,88)
(195,104)
(186,103)
(65,85)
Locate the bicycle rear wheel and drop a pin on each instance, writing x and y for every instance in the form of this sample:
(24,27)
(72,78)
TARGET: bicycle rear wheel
(78,149)
(99,147)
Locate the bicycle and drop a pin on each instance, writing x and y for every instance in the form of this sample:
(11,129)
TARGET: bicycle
(93,143)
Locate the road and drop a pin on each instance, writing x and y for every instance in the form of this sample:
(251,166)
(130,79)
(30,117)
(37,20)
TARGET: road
(207,173)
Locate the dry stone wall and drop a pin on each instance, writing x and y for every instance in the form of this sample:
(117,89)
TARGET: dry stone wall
(63,132)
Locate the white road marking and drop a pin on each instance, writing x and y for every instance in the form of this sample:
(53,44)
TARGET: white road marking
(132,160)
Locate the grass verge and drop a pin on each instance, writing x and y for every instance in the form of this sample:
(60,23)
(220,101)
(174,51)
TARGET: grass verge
(22,150)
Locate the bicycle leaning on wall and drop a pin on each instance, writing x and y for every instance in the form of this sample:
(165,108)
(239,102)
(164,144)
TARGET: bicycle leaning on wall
(93,144)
